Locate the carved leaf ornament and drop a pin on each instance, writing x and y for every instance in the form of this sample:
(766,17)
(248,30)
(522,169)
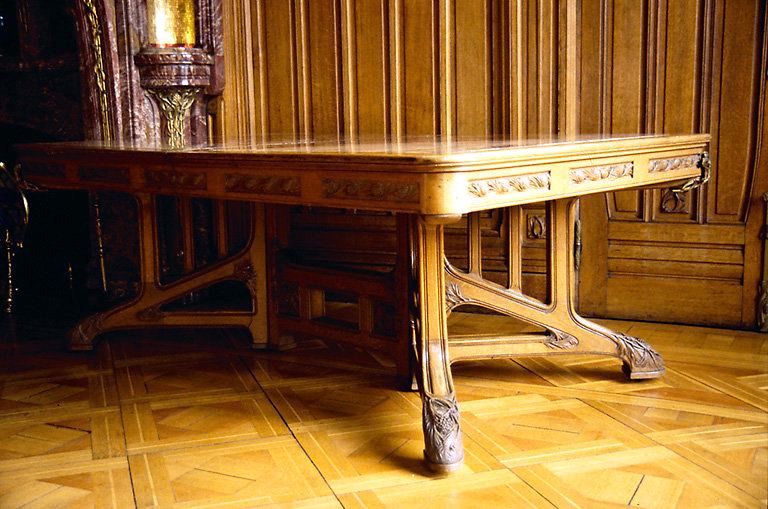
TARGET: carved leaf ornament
(442,432)
(481,188)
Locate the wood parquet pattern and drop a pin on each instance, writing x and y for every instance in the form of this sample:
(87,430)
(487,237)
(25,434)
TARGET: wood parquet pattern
(198,419)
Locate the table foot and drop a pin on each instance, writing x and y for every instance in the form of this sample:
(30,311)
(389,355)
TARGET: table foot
(443,450)
(640,361)
(83,334)
(443,469)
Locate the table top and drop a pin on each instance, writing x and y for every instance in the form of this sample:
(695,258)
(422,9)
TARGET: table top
(421,175)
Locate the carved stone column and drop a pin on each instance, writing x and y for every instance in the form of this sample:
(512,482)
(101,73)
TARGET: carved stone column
(174,76)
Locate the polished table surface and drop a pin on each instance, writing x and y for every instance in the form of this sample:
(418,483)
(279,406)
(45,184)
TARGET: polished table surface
(421,176)
(431,184)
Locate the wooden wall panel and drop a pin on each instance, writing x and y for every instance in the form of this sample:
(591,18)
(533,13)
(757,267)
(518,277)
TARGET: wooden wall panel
(418,91)
(366,44)
(278,69)
(735,103)
(675,67)
(373,70)
(397,69)
(473,98)
(321,91)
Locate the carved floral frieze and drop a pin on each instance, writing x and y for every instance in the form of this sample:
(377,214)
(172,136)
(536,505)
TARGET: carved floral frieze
(44,170)
(597,173)
(407,192)
(107,175)
(506,185)
(675,163)
(269,185)
(173,178)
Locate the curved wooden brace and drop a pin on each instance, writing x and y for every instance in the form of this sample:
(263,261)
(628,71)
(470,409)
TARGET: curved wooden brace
(567,331)
(248,266)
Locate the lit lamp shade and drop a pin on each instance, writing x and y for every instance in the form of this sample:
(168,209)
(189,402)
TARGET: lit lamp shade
(171,23)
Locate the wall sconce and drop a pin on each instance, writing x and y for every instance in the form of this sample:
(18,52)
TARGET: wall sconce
(171,68)
(171,23)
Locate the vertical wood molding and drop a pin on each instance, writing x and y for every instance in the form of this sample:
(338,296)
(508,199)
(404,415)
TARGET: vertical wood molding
(446,72)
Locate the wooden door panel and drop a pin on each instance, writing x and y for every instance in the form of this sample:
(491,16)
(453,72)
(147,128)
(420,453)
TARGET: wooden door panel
(655,254)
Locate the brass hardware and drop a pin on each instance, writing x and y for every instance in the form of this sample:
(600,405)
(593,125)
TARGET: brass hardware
(9,252)
(12,240)
(95,203)
(101,75)
(104,117)
(577,245)
(706,172)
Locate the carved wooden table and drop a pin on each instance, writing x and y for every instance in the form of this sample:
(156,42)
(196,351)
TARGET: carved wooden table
(432,184)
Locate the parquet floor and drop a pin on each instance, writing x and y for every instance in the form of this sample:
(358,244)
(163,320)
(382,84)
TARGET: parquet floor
(197,419)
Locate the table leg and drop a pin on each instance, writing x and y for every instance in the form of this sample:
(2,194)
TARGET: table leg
(442,433)
(146,309)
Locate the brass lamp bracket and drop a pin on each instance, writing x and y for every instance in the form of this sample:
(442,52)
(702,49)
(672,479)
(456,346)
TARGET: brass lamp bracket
(706,172)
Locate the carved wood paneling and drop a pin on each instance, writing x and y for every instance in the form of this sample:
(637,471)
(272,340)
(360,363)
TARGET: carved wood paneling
(684,66)
(394,69)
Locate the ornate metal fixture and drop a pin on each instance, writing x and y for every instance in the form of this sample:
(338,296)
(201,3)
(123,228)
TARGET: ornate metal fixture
(706,172)
(174,77)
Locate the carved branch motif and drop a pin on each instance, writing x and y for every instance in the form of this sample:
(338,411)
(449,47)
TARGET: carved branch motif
(274,185)
(171,178)
(244,272)
(481,188)
(672,202)
(174,102)
(596,173)
(537,227)
(560,340)
(676,163)
(113,175)
(453,296)
(85,331)
(371,190)
(151,314)
(442,433)
(638,355)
